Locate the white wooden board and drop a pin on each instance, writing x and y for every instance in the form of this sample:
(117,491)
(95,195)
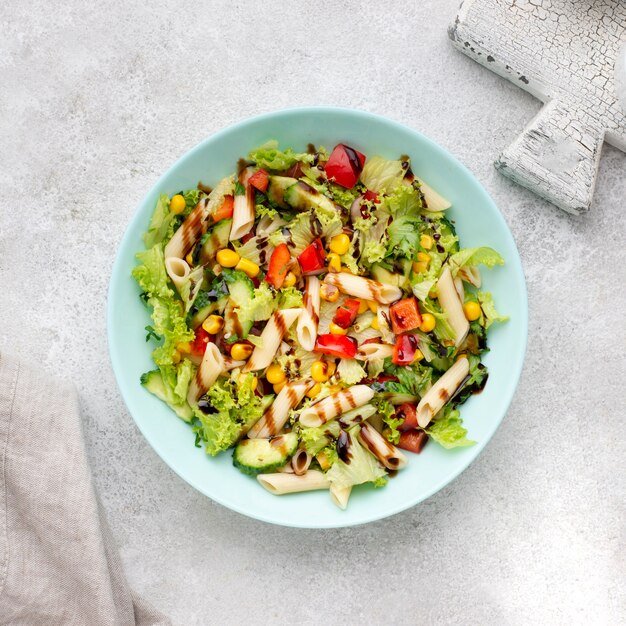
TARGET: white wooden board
(563,52)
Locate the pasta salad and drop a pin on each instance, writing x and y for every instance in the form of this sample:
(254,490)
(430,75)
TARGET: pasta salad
(315,313)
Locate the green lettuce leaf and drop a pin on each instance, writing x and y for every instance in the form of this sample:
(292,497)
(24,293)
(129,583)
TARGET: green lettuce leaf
(151,274)
(404,236)
(289,298)
(388,412)
(159,223)
(382,175)
(236,407)
(350,371)
(405,200)
(363,467)
(316,438)
(448,430)
(488,307)
(474,256)
(344,197)
(170,324)
(269,157)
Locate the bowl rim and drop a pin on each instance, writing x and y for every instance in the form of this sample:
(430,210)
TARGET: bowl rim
(517,363)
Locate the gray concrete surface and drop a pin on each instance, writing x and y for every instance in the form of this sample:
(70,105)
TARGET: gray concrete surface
(98,99)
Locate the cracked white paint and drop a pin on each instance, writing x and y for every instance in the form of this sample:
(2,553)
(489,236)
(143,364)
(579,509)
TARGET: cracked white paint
(563,52)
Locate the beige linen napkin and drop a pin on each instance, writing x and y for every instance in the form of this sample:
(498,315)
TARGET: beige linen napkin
(58,563)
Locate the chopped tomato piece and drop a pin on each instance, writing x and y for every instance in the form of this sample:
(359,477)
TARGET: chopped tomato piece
(413,441)
(405,349)
(336,345)
(200,342)
(278,266)
(260,180)
(408,413)
(346,313)
(345,165)
(405,315)
(312,259)
(225,210)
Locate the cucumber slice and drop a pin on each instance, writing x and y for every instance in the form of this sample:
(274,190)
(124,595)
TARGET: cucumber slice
(217,239)
(153,382)
(277,187)
(303,197)
(262,456)
(241,290)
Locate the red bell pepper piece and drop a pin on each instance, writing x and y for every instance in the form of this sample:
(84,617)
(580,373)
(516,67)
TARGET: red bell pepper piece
(405,315)
(278,266)
(336,345)
(371,195)
(225,210)
(407,412)
(260,180)
(200,342)
(344,165)
(413,441)
(405,349)
(346,313)
(312,259)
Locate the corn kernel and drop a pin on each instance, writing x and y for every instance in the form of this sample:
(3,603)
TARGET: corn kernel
(290,280)
(176,356)
(279,386)
(334,262)
(177,204)
(213,324)
(319,372)
(423,257)
(340,244)
(275,374)
(227,257)
(472,311)
(374,324)
(419,356)
(184,347)
(240,351)
(330,293)
(189,259)
(248,267)
(323,460)
(420,267)
(428,323)
(337,330)
(373,305)
(426,241)
(314,391)
(331,367)
(363,306)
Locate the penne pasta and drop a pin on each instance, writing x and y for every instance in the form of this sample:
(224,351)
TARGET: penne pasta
(452,306)
(243,211)
(271,338)
(458,285)
(360,287)
(332,406)
(374,351)
(178,270)
(434,201)
(231,364)
(300,462)
(439,394)
(211,367)
(310,316)
(277,415)
(385,452)
(340,495)
(282,483)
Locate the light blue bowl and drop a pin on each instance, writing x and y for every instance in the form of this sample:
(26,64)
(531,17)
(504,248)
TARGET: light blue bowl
(478,222)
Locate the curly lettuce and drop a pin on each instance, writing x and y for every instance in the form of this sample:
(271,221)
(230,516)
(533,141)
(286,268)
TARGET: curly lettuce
(447,430)
(151,274)
(488,307)
(382,175)
(474,256)
(269,157)
(362,468)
